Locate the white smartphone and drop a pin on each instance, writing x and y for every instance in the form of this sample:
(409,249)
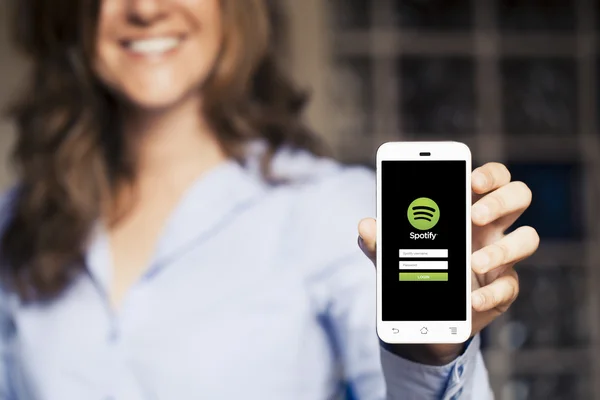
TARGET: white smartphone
(423,242)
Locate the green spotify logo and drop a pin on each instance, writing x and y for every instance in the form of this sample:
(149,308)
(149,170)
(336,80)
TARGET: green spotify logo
(423,213)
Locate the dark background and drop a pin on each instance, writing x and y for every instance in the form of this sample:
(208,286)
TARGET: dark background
(443,182)
(518,81)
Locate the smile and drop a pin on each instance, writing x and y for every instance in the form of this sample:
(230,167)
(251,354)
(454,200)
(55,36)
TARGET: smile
(153,46)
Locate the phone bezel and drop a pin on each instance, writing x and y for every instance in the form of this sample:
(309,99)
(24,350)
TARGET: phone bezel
(437,331)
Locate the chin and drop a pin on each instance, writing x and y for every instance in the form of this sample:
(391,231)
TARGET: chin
(155,100)
(152,104)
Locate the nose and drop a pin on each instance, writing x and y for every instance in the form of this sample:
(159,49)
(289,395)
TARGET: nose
(145,12)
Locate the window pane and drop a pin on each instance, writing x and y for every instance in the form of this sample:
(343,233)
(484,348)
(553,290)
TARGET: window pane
(539,96)
(531,15)
(437,95)
(434,14)
(557,189)
(551,310)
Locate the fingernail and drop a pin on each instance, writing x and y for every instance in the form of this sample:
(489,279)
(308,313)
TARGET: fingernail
(479,179)
(478,300)
(481,212)
(480,260)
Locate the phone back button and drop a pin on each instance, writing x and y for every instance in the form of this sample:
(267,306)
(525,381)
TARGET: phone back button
(395,330)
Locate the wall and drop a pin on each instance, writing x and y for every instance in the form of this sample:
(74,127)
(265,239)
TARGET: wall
(10,71)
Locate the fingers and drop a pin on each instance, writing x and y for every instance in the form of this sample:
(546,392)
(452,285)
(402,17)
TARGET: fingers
(498,295)
(513,197)
(489,177)
(367,230)
(519,244)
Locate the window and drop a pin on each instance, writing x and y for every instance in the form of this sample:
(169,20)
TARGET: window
(556,208)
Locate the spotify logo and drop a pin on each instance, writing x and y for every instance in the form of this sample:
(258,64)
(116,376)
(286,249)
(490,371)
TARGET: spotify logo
(423,213)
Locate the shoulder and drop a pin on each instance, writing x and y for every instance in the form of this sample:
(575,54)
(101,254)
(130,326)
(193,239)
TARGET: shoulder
(328,199)
(325,186)
(321,181)
(339,193)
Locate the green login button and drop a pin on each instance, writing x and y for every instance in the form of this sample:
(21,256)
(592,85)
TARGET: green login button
(424,276)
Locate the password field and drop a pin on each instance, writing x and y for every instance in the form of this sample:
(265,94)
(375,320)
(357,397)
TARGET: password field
(424,265)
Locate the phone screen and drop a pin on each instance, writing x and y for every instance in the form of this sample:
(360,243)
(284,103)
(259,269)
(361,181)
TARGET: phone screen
(424,240)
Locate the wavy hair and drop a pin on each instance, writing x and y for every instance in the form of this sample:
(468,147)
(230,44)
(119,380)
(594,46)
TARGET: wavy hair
(70,155)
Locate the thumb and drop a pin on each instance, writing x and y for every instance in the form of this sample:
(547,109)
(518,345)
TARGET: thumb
(367,240)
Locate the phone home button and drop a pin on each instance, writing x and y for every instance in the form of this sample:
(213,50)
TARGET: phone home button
(424,330)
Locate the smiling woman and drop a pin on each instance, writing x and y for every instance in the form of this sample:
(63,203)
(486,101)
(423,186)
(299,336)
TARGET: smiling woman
(156,61)
(94,75)
(176,233)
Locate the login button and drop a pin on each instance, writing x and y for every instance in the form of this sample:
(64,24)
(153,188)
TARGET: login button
(424,276)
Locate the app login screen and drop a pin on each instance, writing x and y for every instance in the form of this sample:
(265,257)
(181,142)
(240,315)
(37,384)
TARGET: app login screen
(423,240)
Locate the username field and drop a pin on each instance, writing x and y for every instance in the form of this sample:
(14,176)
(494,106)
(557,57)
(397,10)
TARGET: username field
(423,253)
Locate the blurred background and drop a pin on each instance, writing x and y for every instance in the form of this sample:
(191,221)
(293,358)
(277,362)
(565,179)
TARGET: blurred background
(518,81)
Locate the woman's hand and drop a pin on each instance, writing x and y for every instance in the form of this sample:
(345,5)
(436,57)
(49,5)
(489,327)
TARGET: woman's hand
(498,203)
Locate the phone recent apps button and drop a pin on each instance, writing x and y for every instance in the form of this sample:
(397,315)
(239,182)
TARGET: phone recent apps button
(424,276)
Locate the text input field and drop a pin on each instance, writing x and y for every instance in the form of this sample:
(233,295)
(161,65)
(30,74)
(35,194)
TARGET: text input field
(424,265)
(423,253)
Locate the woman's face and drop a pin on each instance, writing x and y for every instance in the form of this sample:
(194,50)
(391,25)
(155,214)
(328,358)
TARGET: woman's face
(154,53)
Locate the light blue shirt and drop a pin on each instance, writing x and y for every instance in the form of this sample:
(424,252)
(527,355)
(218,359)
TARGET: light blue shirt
(254,292)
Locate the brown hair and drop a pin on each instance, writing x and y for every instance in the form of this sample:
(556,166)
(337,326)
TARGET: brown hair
(70,154)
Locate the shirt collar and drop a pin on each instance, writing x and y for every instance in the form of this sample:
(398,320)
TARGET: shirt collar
(207,203)
(216,195)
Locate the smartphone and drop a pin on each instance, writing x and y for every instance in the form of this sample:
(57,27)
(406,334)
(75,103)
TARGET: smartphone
(423,242)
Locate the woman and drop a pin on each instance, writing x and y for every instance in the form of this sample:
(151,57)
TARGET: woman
(176,235)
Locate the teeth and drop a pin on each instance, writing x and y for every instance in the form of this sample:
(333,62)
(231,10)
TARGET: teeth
(154,45)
